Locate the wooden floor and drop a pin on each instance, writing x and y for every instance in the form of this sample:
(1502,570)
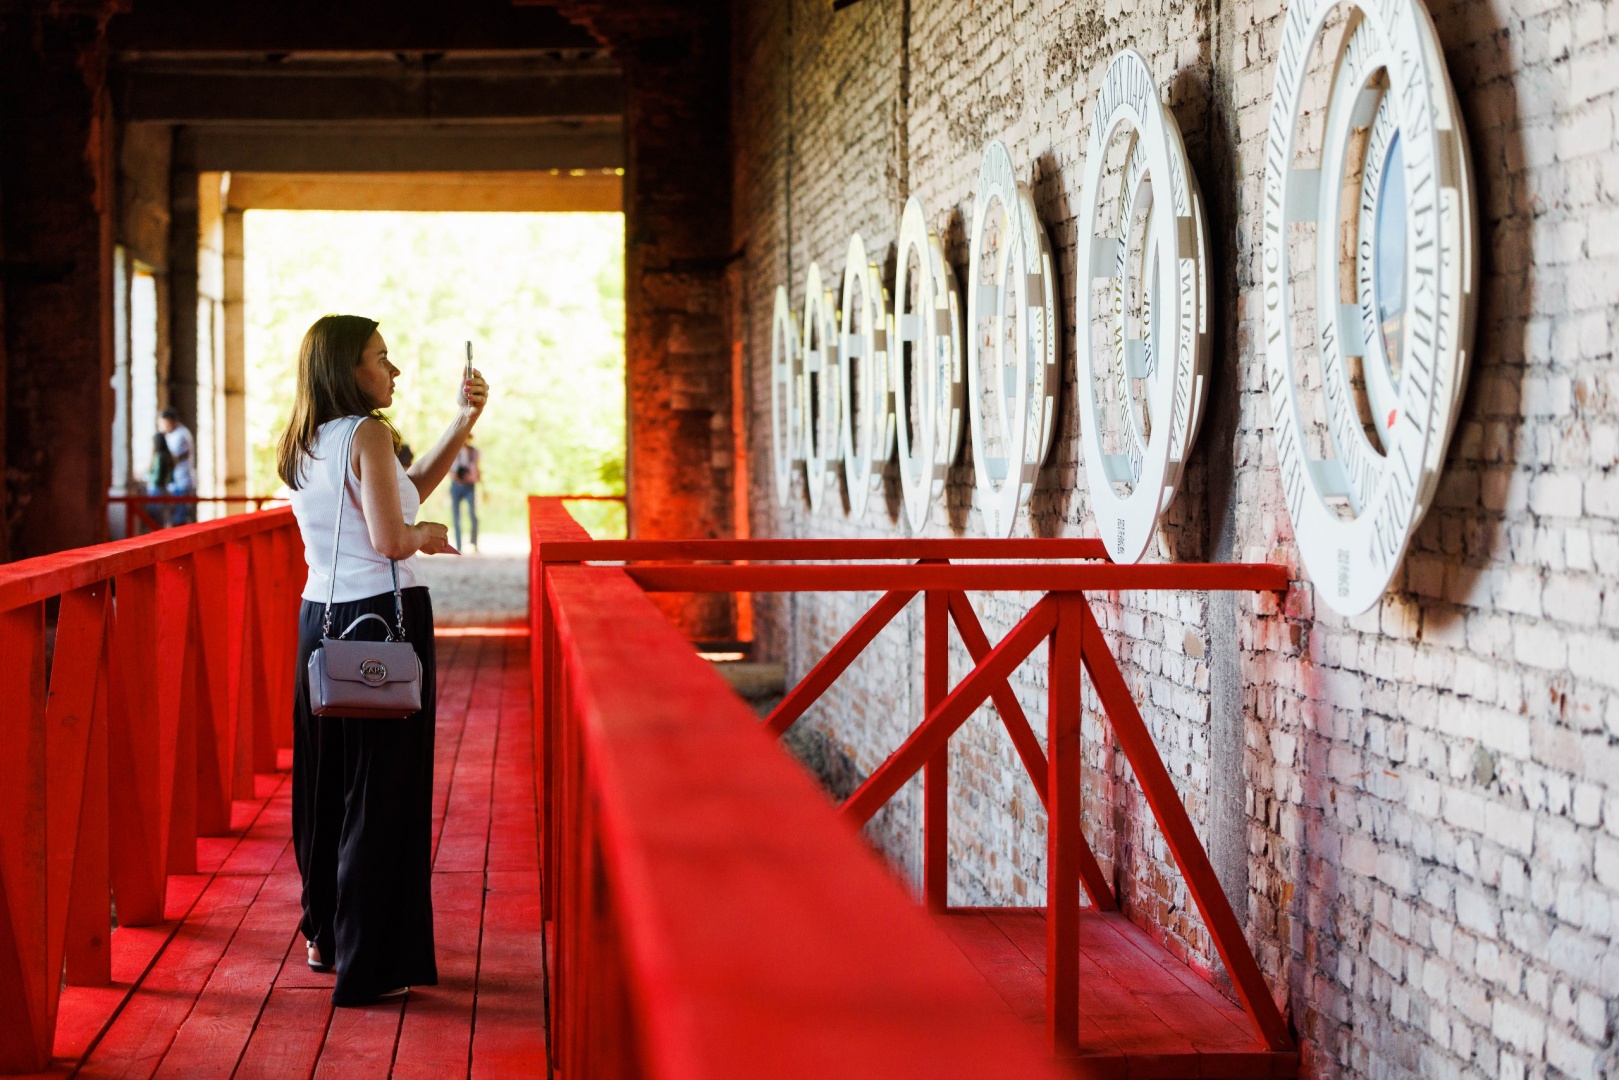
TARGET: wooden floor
(1142,1012)
(222,989)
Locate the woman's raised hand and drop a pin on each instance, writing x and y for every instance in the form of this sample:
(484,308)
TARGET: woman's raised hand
(435,538)
(474,395)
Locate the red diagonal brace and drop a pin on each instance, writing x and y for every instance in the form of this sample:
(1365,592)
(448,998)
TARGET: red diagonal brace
(835,662)
(1142,753)
(935,731)
(1028,748)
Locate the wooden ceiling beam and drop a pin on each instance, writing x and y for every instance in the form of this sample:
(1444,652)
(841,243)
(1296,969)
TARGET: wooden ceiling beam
(330,147)
(376,92)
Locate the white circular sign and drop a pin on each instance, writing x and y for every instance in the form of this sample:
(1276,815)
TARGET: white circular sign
(1141,230)
(1012,375)
(786,446)
(1393,183)
(820,388)
(925,364)
(867,402)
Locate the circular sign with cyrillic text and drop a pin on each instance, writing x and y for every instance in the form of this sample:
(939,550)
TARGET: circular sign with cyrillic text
(1141,308)
(867,402)
(821,390)
(1011,360)
(925,365)
(786,449)
(1390,202)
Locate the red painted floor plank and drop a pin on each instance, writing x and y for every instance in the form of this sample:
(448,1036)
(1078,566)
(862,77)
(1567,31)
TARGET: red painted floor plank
(1139,1015)
(288,1038)
(360,1043)
(141,1033)
(435,1039)
(508,1037)
(213,1037)
(464,841)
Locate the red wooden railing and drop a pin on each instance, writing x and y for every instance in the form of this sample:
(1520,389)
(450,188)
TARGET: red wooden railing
(709,916)
(124,735)
(135,506)
(1062,618)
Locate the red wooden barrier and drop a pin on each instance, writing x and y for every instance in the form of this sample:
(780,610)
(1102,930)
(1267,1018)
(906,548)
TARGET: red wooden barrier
(125,735)
(1063,619)
(711,917)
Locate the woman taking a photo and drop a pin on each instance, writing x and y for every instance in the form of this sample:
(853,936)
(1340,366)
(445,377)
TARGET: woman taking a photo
(362,788)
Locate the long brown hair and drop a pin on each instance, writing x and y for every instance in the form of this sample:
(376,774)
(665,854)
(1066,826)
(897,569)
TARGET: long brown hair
(327,389)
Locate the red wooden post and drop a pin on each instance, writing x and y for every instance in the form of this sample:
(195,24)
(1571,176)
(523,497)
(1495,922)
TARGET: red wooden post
(89,929)
(26,983)
(177,710)
(1063,836)
(70,714)
(261,618)
(936,773)
(1181,837)
(243,695)
(139,830)
(216,733)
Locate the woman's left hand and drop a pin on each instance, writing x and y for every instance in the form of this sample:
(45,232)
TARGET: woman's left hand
(474,395)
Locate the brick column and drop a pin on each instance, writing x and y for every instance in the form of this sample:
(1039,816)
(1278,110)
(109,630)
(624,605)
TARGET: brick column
(677,207)
(56,177)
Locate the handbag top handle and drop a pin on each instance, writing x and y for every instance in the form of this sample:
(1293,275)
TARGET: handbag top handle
(398,632)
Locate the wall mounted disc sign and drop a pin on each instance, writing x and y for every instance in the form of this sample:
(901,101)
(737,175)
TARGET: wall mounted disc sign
(820,388)
(1143,343)
(925,365)
(1393,188)
(1012,375)
(786,447)
(867,401)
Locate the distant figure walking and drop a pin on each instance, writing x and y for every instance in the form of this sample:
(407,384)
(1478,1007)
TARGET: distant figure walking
(184,451)
(464,489)
(159,474)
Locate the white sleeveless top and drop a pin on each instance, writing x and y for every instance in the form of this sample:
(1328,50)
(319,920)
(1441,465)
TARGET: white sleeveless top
(361,571)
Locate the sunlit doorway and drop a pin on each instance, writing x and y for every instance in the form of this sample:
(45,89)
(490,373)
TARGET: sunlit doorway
(540,295)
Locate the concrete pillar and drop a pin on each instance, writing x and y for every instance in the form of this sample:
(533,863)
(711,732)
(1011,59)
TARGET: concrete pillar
(56,230)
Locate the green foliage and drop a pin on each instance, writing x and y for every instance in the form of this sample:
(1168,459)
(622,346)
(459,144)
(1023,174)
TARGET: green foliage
(541,297)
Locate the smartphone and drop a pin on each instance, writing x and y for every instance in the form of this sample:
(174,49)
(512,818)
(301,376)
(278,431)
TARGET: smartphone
(466,374)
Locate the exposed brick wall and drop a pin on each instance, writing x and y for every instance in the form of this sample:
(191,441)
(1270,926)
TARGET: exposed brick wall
(1418,809)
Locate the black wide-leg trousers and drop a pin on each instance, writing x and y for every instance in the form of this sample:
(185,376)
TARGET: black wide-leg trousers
(362,816)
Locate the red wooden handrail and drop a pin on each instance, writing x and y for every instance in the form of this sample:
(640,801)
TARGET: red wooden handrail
(168,685)
(1063,619)
(714,919)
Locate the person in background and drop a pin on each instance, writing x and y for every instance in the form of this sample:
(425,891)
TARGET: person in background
(405,454)
(464,479)
(184,451)
(159,474)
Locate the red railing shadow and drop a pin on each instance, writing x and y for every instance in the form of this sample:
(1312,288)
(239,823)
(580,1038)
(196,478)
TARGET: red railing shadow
(124,736)
(1062,619)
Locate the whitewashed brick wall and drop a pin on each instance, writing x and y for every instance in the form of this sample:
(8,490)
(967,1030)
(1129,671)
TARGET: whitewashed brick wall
(1426,821)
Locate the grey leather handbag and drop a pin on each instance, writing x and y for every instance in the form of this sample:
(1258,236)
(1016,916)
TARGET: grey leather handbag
(379,680)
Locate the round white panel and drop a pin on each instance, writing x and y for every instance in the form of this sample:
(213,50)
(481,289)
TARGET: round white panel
(820,388)
(925,365)
(1393,187)
(1151,248)
(786,444)
(1012,375)
(867,400)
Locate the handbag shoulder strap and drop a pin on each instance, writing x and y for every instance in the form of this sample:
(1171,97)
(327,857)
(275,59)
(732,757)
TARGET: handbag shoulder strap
(337,536)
